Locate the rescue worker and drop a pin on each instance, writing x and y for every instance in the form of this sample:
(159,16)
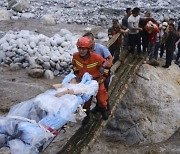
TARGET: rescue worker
(104,52)
(87,61)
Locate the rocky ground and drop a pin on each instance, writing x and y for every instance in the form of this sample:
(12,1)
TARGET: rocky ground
(99,12)
(17,86)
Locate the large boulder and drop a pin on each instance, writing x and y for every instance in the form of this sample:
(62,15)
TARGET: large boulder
(150,110)
(18,5)
(4,15)
(48,20)
(35,71)
(48,74)
(11,3)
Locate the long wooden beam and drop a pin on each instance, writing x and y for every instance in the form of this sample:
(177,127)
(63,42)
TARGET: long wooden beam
(86,135)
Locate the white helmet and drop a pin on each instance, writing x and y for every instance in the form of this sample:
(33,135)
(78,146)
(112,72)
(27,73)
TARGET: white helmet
(164,25)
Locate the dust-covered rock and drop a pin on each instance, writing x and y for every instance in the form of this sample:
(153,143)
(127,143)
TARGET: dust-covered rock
(149,112)
(4,15)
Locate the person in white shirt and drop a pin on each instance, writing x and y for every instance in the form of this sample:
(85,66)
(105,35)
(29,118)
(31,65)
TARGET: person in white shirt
(134,36)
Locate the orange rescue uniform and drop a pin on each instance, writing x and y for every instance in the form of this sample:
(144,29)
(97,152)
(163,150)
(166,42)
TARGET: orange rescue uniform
(92,65)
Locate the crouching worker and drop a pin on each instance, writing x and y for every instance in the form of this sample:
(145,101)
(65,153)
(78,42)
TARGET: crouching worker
(86,61)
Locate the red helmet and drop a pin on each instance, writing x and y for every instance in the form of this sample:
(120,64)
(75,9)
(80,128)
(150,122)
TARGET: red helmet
(84,42)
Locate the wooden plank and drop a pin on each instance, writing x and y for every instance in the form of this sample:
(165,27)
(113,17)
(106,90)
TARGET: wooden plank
(86,135)
(112,40)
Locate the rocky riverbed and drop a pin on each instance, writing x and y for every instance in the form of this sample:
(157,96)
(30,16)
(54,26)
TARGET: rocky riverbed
(16,86)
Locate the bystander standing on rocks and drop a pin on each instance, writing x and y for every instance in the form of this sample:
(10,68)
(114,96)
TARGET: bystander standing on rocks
(134,36)
(170,44)
(115,47)
(125,26)
(178,44)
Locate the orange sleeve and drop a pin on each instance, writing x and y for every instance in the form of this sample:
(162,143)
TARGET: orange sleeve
(73,62)
(101,60)
(75,69)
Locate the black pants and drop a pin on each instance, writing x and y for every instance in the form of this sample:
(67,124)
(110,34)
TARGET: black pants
(106,82)
(178,54)
(145,40)
(115,52)
(134,40)
(169,57)
(162,48)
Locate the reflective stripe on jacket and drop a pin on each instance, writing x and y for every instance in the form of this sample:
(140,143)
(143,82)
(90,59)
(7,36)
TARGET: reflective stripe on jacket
(91,65)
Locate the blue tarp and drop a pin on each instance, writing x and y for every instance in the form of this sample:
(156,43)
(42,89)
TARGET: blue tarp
(23,131)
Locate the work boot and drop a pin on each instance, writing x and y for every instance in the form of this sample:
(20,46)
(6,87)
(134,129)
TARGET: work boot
(86,119)
(105,113)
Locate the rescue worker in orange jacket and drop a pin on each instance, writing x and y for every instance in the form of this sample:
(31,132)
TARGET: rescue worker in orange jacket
(86,61)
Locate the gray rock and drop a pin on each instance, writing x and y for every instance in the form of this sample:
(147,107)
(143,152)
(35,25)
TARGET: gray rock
(53,42)
(21,5)
(54,58)
(27,15)
(46,65)
(49,74)
(11,3)
(45,58)
(5,46)
(19,59)
(64,44)
(39,61)
(48,20)
(34,65)
(15,66)
(53,64)
(35,72)
(32,45)
(4,15)
(58,67)
(56,72)
(25,65)
(149,112)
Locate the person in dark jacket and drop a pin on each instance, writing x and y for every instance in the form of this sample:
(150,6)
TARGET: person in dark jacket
(125,27)
(178,44)
(115,47)
(125,19)
(170,44)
